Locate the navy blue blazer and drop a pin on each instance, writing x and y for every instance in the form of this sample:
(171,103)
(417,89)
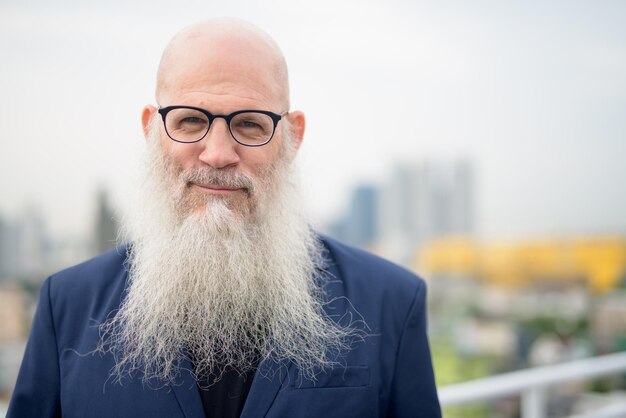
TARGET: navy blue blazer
(389,374)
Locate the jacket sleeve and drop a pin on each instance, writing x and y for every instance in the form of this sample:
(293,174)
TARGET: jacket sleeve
(36,392)
(413,392)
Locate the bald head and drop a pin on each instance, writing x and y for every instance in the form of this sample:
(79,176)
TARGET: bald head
(224,56)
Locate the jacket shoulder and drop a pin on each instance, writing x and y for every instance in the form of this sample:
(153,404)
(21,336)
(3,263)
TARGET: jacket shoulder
(91,286)
(364,266)
(91,272)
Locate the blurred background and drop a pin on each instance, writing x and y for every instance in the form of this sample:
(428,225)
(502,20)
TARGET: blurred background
(481,144)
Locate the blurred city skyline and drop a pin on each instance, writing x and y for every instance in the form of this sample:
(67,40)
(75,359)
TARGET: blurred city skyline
(532,93)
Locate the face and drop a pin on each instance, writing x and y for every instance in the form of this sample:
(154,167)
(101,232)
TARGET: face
(223,82)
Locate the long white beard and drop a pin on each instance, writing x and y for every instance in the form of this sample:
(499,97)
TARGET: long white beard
(228,285)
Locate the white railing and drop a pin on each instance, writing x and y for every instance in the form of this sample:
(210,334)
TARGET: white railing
(531,385)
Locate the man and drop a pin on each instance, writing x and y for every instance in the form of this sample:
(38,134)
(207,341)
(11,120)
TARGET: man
(225,303)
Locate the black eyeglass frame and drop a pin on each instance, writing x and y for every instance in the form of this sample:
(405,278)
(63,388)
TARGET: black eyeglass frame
(163,111)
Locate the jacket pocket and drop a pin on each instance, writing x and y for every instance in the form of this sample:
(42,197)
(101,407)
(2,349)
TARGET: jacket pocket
(338,377)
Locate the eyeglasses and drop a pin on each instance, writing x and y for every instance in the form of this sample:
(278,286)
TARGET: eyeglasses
(188,124)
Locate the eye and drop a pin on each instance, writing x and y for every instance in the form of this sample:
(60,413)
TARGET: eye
(248,124)
(193,123)
(192,120)
(252,127)
(186,119)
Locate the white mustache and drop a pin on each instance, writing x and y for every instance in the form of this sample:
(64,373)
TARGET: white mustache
(221,178)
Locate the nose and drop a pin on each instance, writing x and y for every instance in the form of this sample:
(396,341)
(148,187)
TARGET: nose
(220,149)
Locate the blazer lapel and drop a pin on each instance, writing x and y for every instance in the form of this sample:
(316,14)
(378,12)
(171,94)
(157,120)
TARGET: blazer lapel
(267,382)
(271,376)
(187,393)
(336,306)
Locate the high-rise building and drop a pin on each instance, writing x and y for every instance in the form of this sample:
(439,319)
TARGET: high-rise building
(419,203)
(359,226)
(29,239)
(23,244)
(425,201)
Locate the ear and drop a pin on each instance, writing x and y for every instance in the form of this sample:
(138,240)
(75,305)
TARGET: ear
(297,124)
(147,114)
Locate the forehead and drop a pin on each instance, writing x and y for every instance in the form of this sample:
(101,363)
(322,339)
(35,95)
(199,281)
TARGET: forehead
(220,70)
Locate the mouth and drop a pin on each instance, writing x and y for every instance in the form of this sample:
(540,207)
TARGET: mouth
(217,189)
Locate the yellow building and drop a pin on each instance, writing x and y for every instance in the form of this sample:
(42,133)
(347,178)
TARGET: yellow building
(597,262)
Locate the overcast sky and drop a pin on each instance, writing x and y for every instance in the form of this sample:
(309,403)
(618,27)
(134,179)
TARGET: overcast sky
(534,92)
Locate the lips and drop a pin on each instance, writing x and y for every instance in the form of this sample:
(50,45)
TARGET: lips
(217,189)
